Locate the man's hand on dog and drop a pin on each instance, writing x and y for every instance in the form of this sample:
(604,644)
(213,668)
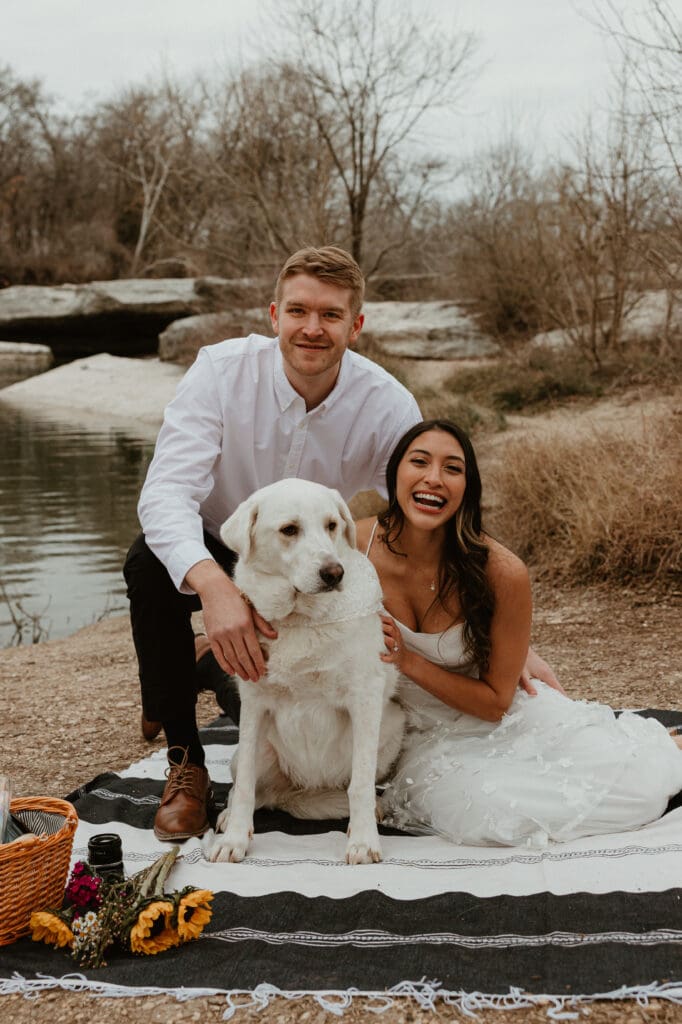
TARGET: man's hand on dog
(230,622)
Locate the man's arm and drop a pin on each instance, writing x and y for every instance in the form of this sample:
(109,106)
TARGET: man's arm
(180,475)
(229,621)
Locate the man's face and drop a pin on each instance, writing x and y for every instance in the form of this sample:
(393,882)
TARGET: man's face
(315,326)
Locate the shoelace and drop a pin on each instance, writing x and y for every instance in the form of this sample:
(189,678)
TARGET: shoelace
(181,776)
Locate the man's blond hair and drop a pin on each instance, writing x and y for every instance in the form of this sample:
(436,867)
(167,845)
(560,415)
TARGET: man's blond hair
(330,263)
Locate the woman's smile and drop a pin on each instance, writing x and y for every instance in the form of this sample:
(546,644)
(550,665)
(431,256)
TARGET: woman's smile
(428,502)
(431,477)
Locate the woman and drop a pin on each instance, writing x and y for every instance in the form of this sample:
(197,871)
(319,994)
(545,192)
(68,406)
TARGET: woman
(485,763)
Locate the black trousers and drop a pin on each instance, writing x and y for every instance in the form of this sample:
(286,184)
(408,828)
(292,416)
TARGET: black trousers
(160,617)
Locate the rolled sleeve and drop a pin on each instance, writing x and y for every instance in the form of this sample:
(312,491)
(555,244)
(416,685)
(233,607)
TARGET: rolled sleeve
(182,558)
(180,474)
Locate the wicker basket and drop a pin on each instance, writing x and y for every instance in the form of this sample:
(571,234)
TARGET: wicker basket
(33,872)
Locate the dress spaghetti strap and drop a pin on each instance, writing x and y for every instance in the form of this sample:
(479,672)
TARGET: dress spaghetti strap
(371,537)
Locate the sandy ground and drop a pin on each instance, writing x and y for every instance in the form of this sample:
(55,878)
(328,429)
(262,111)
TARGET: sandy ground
(622,647)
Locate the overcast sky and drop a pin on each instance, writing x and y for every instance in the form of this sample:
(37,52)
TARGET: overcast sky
(543,65)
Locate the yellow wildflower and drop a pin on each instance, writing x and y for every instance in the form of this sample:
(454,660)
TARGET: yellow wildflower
(153,932)
(47,927)
(194,913)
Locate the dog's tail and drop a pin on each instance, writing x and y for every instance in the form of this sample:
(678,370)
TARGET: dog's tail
(318,804)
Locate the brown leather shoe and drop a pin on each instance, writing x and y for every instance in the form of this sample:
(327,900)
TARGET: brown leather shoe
(150,730)
(184,805)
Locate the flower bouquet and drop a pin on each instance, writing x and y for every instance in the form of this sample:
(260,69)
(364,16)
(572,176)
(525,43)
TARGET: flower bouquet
(133,915)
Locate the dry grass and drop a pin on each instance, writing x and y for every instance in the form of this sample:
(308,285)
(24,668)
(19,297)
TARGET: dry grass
(535,379)
(601,505)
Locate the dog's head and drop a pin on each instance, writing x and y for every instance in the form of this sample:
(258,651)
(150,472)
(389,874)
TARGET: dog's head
(293,529)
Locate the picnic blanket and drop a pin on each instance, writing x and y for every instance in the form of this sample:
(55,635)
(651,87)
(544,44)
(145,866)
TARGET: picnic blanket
(473,926)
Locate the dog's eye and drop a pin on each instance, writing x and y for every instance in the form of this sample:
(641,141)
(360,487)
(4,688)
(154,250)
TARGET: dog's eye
(331,526)
(290,530)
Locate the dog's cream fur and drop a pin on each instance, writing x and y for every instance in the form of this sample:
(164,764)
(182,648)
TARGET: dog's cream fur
(321,727)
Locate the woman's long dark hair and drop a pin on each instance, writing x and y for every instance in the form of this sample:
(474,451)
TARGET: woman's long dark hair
(464,556)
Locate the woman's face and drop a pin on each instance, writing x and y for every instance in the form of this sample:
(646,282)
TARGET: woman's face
(431,479)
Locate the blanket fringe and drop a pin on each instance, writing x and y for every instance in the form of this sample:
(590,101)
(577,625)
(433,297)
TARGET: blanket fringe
(426,994)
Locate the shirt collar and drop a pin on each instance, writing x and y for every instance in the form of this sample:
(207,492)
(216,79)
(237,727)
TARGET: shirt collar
(287,395)
(340,385)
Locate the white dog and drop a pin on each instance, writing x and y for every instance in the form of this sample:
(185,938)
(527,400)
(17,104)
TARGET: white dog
(320,728)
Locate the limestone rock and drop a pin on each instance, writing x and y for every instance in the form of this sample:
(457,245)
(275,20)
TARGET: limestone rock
(101,390)
(122,317)
(423,330)
(646,321)
(412,330)
(182,339)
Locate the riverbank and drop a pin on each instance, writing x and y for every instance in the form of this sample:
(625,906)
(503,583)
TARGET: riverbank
(101,391)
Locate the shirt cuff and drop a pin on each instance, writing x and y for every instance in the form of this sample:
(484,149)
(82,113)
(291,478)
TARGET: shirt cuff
(181,560)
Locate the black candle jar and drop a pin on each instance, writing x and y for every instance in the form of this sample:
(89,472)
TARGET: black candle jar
(105,856)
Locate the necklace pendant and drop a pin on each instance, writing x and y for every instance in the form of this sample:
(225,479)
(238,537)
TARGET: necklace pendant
(433,585)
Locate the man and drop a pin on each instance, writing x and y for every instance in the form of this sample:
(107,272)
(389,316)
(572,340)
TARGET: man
(248,412)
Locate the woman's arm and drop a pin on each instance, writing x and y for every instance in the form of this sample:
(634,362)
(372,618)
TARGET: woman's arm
(490,696)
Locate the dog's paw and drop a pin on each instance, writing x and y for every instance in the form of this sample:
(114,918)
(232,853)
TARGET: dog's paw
(222,820)
(363,853)
(206,842)
(225,849)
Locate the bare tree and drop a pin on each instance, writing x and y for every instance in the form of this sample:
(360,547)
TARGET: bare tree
(371,70)
(271,174)
(501,246)
(650,41)
(603,214)
(149,145)
(651,46)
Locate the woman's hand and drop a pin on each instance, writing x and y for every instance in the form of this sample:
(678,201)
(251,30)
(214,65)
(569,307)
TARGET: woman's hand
(393,640)
(537,668)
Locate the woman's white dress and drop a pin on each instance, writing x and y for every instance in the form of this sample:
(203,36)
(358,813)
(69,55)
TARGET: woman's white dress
(552,769)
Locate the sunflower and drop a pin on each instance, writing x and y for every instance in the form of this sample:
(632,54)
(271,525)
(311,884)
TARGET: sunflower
(153,931)
(49,928)
(194,913)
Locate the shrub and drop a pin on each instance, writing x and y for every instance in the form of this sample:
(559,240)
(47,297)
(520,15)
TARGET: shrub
(530,380)
(534,379)
(600,506)
(470,415)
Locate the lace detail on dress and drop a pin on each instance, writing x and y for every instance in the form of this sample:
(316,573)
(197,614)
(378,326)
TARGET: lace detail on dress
(553,769)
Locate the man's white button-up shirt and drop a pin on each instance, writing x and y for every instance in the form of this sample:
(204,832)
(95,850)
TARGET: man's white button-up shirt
(237,424)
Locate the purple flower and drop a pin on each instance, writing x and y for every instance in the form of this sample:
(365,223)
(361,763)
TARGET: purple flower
(83,889)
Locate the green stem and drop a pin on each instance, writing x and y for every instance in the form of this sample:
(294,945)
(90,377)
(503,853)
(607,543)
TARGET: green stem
(151,875)
(169,861)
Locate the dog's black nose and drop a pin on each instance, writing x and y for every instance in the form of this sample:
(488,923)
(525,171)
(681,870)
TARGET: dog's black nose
(331,574)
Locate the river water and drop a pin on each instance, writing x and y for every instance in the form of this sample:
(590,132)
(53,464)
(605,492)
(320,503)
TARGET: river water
(67,518)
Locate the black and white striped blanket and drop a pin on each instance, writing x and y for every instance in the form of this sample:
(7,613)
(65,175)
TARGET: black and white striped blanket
(477,927)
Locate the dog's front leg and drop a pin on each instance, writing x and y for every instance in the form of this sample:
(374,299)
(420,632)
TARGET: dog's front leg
(363,845)
(237,825)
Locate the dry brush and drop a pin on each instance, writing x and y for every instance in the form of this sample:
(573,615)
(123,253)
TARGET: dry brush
(599,505)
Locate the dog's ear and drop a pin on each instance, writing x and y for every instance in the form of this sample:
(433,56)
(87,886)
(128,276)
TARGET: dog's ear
(237,531)
(346,518)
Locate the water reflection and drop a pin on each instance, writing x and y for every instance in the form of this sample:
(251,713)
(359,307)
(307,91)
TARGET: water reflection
(67,517)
